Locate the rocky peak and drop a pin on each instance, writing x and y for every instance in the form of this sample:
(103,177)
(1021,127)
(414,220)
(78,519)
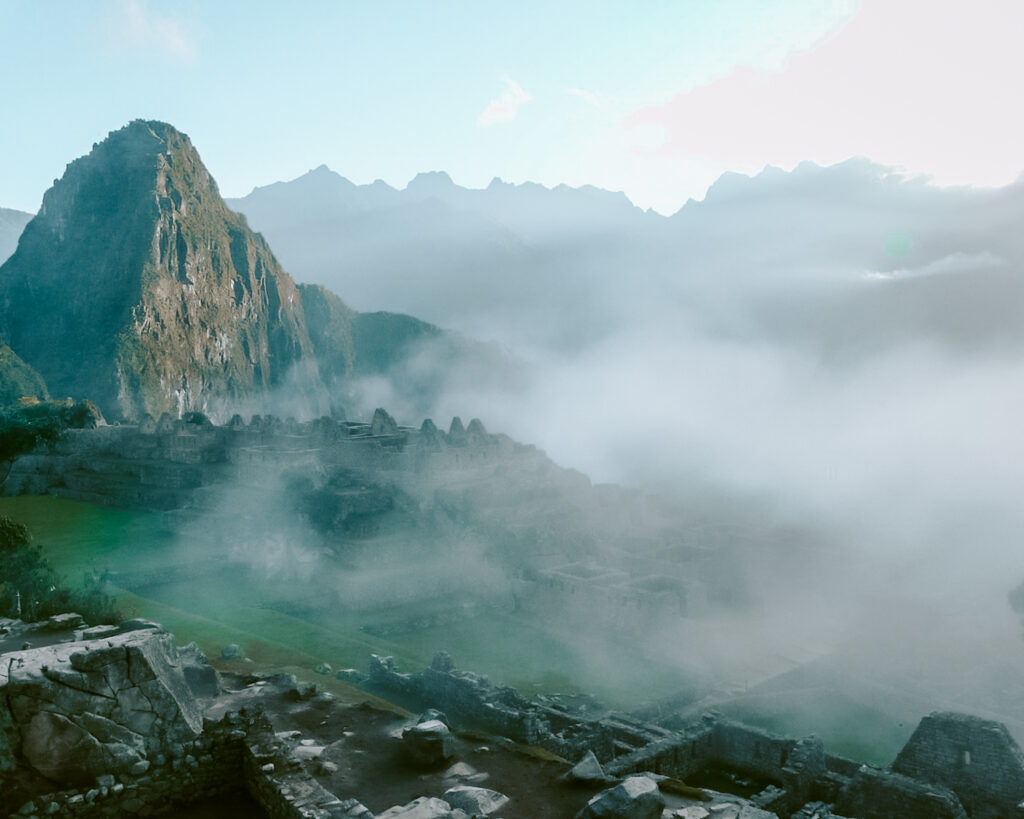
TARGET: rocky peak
(137,286)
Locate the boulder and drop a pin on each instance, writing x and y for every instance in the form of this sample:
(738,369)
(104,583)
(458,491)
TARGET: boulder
(432,714)
(233,651)
(636,797)
(429,743)
(99,706)
(426,807)
(586,770)
(61,750)
(95,632)
(475,801)
(732,810)
(62,622)
(816,810)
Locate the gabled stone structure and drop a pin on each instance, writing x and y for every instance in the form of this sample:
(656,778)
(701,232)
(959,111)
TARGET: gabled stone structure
(975,758)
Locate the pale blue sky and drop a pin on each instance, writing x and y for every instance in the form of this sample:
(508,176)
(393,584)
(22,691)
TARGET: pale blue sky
(389,89)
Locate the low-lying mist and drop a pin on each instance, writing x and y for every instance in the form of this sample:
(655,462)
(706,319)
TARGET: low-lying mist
(835,352)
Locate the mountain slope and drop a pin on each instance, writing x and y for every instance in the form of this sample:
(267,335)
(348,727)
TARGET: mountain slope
(137,287)
(12,223)
(17,379)
(419,363)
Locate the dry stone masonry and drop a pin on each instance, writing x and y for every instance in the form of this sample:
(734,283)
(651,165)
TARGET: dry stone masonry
(955,766)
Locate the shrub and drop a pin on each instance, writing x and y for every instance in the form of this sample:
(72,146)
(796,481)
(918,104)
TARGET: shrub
(24,428)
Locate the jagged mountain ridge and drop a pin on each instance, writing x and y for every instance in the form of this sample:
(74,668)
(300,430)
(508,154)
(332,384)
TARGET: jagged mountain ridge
(136,286)
(786,252)
(453,256)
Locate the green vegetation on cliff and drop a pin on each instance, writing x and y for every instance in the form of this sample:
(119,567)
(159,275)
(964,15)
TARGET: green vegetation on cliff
(330,322)
(18,380)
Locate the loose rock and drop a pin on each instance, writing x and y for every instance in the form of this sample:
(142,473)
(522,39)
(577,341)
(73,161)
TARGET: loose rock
(637,797)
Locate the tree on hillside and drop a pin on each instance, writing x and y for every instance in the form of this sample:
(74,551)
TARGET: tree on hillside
(24,428)
(26,580)
(30,590)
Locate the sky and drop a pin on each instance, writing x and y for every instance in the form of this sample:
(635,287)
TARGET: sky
(652,97)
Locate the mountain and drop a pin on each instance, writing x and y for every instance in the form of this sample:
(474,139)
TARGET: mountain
(419,362)
(137,287)
(470,259)
(12,223)
(842,261)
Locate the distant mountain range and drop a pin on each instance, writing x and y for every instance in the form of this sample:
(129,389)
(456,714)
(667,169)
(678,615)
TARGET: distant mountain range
(471,259)
(845,259)
(135,286)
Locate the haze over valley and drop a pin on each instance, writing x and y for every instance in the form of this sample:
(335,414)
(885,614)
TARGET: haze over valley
(750,449)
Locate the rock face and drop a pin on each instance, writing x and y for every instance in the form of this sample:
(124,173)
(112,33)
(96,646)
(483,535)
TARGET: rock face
(136,286)
(12,223)
(330,322)
(94,707)
(637,797)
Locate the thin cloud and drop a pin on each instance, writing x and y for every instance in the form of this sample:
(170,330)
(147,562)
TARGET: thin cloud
(147,29)
(905,82)
(506,107)
(587,96)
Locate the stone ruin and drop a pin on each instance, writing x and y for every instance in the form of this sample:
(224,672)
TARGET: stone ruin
(954,766)
(123,723)
(115,717)
(561,562)
(82,709)
(163,465)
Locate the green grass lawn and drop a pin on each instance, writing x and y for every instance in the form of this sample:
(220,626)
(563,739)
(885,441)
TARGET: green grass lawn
(291,625)
(214,607)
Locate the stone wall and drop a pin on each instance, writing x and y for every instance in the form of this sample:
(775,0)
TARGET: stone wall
(680,756)
(278,782)
(623,745)
(975,758)
(98,706)
(192,771)
(876,794)
(474,703)
(931,779)
(113,716)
